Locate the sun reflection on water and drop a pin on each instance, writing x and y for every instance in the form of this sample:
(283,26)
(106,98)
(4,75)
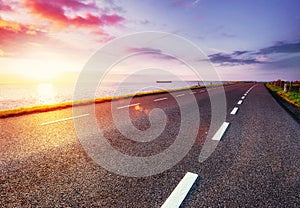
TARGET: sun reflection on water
(46,93)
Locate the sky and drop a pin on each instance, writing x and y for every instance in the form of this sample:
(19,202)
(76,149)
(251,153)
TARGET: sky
(244,40)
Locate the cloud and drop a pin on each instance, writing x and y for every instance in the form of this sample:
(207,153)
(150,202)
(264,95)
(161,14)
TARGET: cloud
(72,12)
(18,38)
(237,53)
(261,56)
(231,59)
(281,47)
(5,7)
(14,35)
(111,19)
(155,53)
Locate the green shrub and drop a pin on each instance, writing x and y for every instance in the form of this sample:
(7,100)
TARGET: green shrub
(291,97)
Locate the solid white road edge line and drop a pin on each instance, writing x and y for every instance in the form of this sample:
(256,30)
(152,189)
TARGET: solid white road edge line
(181,190)
(64,119)
(234,110)
(218,135)
(160,99)
(127,106)
(240,102)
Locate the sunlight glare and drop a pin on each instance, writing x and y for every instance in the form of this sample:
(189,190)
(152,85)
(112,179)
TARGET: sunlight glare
(137,107)
(46,93)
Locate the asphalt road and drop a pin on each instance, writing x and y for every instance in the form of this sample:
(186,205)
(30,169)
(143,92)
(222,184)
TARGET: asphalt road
(256,163)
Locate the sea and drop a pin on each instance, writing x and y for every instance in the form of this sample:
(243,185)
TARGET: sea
(28,95)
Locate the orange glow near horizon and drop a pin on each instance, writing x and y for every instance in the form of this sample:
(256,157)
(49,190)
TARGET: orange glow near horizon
(38,70)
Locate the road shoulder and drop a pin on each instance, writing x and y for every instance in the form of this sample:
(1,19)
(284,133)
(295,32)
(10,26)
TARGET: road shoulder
(293,110)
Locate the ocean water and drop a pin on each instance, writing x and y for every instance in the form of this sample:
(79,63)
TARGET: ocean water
(27,95)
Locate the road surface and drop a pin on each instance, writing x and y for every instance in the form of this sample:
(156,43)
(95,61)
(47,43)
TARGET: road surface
(256,163)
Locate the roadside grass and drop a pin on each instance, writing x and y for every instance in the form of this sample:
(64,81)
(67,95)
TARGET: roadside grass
(58,106)
(290,96)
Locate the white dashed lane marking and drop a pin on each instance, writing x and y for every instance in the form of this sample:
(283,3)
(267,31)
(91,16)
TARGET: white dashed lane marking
(218,135)
(180,95)
(160,99)
(64,119)
(181,190)
(127,106)
(234,110)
